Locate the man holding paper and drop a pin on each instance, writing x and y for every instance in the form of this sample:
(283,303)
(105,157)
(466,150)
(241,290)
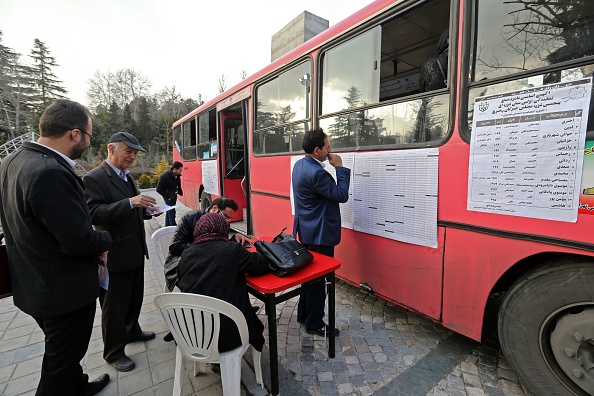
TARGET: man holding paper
(117,206)
(169,187)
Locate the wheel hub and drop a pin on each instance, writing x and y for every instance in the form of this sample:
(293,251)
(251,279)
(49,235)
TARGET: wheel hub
(572,344)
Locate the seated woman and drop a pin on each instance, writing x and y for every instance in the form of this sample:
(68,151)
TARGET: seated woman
(216,267)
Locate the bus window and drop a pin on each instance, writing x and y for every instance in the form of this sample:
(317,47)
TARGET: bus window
(280,140)
(282,110)
(177,139)
(413,121)
(189,140)
(522,35)
(367,80)
(207,134)
(515,37)
(351,73)
(274,142)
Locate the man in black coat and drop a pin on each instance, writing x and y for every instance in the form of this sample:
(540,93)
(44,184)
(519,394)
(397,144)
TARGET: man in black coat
(183,237)
(117,206)
(53,251)
(169,187)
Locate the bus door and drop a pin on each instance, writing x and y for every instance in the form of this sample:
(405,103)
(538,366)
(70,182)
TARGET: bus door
(233,157)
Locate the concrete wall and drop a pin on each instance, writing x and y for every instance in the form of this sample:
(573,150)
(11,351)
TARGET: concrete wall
(305,26)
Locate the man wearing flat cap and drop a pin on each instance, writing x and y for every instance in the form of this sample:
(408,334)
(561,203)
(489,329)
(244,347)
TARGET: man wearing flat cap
(117,206)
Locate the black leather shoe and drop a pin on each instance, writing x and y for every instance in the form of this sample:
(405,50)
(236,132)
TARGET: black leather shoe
(143,336)
(168,337)
(123,364)
(97,385)
(322,331)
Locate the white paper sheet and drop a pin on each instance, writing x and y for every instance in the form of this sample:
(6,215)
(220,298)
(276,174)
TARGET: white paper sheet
(395,195)
(163,209)
(526,151)
(210,179)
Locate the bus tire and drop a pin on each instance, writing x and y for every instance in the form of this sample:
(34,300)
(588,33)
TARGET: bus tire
(546,328)
(205,201)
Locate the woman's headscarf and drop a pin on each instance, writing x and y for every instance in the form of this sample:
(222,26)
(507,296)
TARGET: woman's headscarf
(211,227)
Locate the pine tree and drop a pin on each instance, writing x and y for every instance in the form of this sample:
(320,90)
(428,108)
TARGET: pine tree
(144,122)
(114,119)
(15,94)
(344,130)
(129,124)
(48,85)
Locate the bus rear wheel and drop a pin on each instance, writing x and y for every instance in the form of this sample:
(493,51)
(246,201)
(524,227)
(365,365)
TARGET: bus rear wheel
(546,328)
(205,201)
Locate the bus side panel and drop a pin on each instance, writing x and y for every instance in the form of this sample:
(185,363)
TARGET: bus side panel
(233,190)
(271,175)
(474,262)
(191,181)
(403,273)
(271,215)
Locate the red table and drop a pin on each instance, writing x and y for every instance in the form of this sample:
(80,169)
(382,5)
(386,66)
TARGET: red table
(266,286)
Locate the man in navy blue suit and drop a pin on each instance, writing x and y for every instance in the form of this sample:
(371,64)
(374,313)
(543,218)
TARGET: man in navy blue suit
(317,216)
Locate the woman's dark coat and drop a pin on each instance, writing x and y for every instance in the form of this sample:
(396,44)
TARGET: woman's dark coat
(217,269)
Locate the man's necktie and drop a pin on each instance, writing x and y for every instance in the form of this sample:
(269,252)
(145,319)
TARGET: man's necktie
(123,176)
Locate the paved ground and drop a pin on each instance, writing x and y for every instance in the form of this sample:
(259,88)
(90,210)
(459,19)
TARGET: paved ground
(382,350)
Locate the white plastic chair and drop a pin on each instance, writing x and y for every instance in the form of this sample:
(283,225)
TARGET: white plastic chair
(161,240)
(194,321)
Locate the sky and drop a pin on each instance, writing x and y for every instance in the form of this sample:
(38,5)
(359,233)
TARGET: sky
(186,43)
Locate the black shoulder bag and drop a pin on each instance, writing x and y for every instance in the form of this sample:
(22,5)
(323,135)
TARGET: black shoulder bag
(284,254)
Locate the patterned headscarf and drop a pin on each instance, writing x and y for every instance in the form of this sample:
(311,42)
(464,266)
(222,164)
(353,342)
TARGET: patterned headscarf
(211,227)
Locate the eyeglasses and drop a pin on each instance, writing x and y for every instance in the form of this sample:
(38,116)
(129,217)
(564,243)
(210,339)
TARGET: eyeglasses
(91,137)
(224,214)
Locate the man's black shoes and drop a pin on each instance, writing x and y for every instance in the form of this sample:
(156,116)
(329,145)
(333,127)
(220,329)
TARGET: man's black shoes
(97,385)
(143,336)
(123,363)
(323,331)
(168,337)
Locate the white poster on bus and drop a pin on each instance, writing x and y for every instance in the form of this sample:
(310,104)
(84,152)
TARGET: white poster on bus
(395,195)
(527,149)
(210,178)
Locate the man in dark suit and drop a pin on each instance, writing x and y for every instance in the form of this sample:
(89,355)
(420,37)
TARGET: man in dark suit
(117,206)
(53,251)
(317,216)
(169,187)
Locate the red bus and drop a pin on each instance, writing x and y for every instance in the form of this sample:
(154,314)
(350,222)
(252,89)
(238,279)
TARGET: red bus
(466,125)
